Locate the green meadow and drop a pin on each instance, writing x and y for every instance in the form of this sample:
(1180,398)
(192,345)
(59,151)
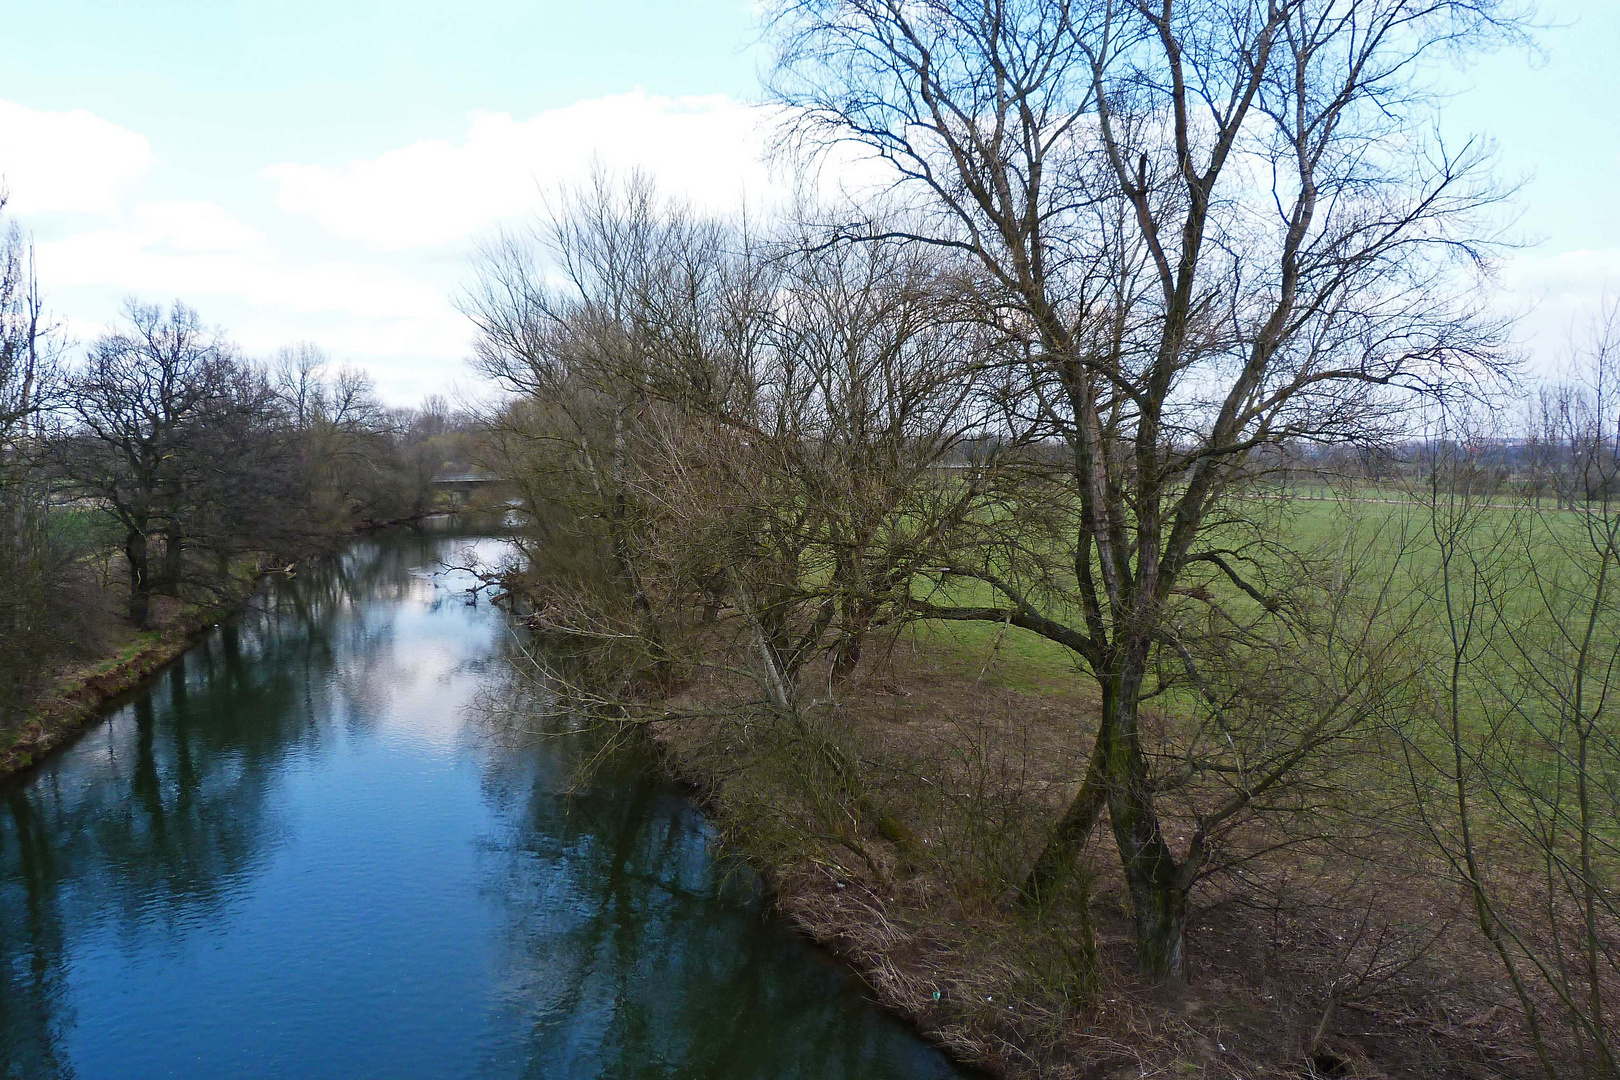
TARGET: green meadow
(1517,574)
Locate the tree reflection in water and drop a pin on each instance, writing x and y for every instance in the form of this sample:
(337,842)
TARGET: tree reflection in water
(312,848)
(633,951)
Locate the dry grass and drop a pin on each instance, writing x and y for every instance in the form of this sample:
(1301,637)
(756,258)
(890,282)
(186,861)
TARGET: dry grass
(976,764)
(110,659)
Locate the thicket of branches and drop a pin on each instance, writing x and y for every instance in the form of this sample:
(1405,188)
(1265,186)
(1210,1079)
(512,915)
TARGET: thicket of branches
(1511,737)
(32,557)
(1128,250)
(1142,271)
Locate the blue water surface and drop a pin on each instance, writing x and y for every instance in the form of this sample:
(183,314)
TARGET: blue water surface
(327,843)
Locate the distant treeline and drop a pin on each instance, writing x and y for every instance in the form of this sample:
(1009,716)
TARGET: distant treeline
(159,460)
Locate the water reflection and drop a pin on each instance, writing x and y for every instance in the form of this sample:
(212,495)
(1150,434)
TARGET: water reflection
(307,850)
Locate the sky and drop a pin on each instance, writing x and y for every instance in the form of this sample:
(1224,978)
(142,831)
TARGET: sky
(323,170)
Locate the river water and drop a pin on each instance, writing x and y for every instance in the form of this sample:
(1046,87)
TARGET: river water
(320,846)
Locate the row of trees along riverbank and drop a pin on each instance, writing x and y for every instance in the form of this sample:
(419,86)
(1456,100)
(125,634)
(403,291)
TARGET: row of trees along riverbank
(1134,272)
(160,463)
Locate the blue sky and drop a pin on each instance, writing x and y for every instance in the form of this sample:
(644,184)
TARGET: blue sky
(317,170)
(220,88)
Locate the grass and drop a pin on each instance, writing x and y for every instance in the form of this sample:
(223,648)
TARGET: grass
(1392,540)
(83,529)
(1021,660)
(138,643)
(1005,656)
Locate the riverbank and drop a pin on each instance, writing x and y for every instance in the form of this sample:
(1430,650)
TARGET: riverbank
(971,749)
(115,657)
(76,694)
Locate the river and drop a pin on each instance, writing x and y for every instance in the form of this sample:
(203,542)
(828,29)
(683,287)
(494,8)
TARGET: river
(321,846)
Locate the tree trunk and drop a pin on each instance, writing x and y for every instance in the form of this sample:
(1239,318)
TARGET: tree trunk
(1160,904)
(1157,882)
(1117,776)
(1056,861)
(856,623)
(173,561)
(140,581)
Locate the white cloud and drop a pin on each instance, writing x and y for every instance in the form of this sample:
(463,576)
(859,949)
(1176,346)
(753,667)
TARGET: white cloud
(139,261)
(1555,294)
(1565,277)
(709,149)
(105,230)
(72,162)
(196,226)
(395,319)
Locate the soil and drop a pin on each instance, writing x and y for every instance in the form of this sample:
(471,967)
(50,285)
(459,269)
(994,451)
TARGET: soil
(116,657)
(1346,956)
(76,693)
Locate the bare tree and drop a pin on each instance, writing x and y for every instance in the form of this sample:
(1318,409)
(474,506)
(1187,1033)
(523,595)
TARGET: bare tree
(160,424)
(26,355)
(1518,776)
(350,448)
(875,350)
(748,433)
(578,353)
(33,560)
(1214,226)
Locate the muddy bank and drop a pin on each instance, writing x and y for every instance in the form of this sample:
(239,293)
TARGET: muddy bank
(78,693)
(821,904)
(951,963)
(79,697)
(976,770)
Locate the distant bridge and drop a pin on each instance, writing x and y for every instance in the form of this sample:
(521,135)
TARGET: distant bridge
(462,485)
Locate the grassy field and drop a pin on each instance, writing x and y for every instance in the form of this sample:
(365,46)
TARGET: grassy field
(1006,656)
(1521,584)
